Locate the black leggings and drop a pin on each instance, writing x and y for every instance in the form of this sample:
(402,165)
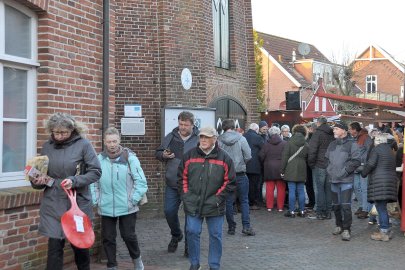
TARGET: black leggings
(55,255)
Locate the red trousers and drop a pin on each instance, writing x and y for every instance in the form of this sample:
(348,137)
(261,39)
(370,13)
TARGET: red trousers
(270,185)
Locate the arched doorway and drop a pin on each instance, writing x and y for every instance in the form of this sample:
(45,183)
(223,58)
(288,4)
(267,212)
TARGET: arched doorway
(228,108)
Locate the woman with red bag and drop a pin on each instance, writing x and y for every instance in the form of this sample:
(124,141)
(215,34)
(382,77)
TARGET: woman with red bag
(73,163)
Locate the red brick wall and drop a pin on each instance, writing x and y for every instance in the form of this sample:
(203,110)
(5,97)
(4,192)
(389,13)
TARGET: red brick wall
(69,80)
(240,80)
(70,57)
(21,246)
(389,77)
(155,41)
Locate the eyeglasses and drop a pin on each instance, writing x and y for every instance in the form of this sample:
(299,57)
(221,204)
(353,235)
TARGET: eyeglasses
(61,133)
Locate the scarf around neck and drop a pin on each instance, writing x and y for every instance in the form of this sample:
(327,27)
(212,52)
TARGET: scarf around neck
(114,155)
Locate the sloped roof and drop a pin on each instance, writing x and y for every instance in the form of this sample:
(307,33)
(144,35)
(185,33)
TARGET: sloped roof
(387,55)
(277,46)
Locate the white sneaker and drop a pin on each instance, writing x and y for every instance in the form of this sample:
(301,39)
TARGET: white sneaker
(138,264)
(346,235)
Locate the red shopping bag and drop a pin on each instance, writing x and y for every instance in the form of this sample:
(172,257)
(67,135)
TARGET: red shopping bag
(77,225)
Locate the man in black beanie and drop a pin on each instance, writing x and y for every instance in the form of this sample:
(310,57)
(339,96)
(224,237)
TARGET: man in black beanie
(343,157)
(263,128)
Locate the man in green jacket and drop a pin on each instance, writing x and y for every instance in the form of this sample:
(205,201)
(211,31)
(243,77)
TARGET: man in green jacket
(206,175)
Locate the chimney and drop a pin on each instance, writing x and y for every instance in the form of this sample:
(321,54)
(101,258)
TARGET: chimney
(280,58)
(294,58)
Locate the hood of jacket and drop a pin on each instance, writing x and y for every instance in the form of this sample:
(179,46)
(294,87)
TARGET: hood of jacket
(230,137)
(326,128)
(275,139)
(298,139)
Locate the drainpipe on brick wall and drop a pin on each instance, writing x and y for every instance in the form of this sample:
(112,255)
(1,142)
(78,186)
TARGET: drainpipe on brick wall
(106,65)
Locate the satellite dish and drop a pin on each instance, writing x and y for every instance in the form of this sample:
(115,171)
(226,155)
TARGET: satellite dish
(304,49)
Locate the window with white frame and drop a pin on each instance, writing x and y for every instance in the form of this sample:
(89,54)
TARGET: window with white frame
(324,104)
(402,92)
(18,62)
(371,84)
(220,21)
(316,104)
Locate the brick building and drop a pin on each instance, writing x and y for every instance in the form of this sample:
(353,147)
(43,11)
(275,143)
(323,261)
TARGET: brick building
(51,59)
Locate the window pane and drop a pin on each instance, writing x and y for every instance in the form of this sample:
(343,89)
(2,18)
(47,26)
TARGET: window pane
(18,33)
(15,93)
(14,146)
(217,32)
(224,34)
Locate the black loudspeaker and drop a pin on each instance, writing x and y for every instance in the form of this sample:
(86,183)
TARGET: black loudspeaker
(292,100)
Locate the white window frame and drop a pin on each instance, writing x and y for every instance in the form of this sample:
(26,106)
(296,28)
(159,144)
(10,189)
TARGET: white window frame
(316,109)
(401,95)
(324,104)
(16,179)
(304,105)
(221,33)
(373,80)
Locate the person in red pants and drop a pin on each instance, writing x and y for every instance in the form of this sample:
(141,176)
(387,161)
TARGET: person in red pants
(270,156)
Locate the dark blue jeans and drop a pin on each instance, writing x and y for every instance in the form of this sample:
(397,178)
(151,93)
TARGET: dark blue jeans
(383,218)
(294,187)
(242,191)
(342,204)
(324,193)
(194,228)
(171,209)
(255,189)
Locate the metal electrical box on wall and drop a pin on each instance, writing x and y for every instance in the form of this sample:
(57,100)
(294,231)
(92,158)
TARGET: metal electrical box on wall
(132,126)
(132,123)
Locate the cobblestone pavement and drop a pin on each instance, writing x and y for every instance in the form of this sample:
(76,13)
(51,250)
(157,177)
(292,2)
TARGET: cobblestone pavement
(280,243)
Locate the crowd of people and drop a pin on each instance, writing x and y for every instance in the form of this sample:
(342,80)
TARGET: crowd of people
(310,170)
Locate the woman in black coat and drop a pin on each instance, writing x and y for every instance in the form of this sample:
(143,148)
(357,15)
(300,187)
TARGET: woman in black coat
(382,183)
(270,156)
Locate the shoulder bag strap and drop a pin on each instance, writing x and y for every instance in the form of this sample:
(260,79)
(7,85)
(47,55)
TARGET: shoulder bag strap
(295,154)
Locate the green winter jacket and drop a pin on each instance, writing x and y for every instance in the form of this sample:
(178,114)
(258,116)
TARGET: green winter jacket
(296,169)
(117,193)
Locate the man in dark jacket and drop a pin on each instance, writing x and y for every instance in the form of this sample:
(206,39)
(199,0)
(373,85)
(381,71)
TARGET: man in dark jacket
(238,149)
(263,128)
(206,176)
(171,151)
(363,140)
(343,157)
(253,167)
(318,144)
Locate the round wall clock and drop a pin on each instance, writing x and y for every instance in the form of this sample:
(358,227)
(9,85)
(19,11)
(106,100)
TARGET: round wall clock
(186,79)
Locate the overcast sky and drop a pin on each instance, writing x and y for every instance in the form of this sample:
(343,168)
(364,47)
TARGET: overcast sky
(337,28)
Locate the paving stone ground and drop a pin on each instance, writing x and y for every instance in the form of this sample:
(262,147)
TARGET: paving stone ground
(280,243)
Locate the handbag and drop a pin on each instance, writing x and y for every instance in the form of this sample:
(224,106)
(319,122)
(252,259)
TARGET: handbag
(144,199)
(77,225)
